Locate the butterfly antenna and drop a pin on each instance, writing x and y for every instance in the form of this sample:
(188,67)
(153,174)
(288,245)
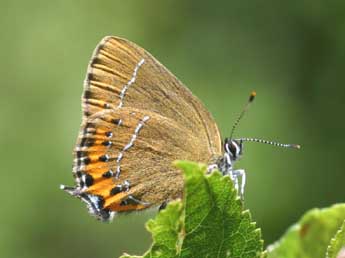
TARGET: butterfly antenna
(246,107)
(294,146)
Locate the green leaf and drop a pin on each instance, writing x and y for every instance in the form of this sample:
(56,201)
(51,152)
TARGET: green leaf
(215,225)
(210,222)
(337,243)
(165,229)
(311,235)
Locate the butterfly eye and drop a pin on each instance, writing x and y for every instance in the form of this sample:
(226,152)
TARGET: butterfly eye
(234,148)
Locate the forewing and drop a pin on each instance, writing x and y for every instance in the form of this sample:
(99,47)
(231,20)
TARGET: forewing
(122,74)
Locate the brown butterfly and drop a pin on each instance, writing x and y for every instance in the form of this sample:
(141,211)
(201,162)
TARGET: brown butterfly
(138,118)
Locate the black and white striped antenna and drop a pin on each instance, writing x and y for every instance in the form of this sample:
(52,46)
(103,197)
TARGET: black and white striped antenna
(294,146)
(246,107)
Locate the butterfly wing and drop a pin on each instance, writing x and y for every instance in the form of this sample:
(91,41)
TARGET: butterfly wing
(138,118)
(122,74)
(122,160)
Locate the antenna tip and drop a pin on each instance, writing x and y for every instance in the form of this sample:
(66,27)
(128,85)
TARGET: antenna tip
(296,146)
(252,96)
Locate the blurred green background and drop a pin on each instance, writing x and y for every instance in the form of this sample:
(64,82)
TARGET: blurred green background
(291,52)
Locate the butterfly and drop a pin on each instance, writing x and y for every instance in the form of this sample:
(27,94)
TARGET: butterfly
(137,119)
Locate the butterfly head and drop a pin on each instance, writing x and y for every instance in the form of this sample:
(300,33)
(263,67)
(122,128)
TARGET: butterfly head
(234,148)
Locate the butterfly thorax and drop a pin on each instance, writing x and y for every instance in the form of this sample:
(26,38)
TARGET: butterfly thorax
(233,150)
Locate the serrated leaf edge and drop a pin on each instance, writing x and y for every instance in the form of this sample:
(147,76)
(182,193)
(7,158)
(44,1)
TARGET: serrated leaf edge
(334,239)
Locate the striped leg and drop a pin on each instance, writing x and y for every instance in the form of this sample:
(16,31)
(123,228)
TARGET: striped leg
(239,173)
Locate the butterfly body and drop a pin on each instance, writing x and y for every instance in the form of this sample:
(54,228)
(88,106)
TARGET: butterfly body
(137,119)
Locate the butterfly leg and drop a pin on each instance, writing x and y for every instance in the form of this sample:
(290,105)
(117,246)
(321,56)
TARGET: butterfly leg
(233,176)
(234,179)
(211,168)
(239,173)
(163,205)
